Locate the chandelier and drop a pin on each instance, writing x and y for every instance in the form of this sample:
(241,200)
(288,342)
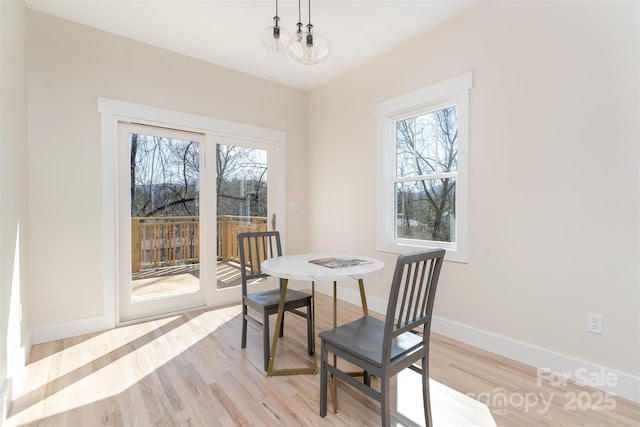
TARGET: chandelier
(306,46)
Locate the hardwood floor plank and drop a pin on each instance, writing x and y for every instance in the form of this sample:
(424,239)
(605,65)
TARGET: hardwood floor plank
(189,370)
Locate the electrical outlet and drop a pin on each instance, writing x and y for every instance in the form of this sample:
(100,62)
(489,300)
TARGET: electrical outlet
(595,323)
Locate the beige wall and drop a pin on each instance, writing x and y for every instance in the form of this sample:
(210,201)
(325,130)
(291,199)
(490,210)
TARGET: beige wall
(14,288)
(70,66)
(554,193)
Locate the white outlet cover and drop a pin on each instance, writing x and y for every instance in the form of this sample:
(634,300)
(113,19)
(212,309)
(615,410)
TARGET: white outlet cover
(595,323)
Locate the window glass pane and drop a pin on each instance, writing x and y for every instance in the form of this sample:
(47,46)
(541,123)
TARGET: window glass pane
(415,147)
(242,182)
(446,121)
(242,198)
(427,144)
(425,210)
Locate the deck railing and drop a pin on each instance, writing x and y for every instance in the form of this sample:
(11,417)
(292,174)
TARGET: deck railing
(172,241)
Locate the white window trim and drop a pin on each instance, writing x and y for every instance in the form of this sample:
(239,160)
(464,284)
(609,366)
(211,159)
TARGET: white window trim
(454,90)
(113,111)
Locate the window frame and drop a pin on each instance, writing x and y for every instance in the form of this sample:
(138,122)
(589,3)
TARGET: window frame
(454,91)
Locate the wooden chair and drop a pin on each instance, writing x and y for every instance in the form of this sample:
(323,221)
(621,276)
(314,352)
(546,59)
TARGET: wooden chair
(254,248)
(384,348)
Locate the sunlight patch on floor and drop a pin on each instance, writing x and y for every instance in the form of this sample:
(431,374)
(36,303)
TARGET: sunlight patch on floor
(119,366)
(408,406)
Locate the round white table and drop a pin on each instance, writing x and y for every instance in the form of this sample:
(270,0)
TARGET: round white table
(300,267)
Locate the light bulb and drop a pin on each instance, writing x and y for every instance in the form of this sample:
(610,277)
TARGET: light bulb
(308,48)
(275,39)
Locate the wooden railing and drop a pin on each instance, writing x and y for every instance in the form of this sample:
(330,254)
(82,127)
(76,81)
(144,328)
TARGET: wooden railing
(172,241)
(228,229)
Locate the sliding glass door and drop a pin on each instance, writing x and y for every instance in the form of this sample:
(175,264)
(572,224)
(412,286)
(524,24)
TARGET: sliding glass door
(183,197)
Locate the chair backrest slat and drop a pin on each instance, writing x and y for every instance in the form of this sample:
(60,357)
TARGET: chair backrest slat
(424,287)
(254,248)
(406,276)
(412,293)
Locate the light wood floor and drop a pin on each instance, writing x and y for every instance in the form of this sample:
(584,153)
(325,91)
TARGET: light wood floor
(189,370)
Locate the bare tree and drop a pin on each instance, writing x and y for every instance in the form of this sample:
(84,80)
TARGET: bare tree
(164,176)
(241,182)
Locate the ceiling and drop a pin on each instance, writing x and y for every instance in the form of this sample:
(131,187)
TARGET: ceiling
(227,33)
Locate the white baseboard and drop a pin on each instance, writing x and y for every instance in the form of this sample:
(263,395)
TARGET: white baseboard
(602,378)
(599,377)
(73,328)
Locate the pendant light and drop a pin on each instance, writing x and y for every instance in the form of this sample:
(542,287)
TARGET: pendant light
(308,47)
(275,39)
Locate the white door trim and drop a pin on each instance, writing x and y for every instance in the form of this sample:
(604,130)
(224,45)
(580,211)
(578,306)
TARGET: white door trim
(113,111)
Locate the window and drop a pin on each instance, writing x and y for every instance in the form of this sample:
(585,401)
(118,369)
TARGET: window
(422,156)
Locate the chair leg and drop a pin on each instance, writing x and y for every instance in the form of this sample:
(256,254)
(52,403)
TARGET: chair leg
(385,414)
(323,380)
(425,392)
(243,343)
(265,340)
(311,339)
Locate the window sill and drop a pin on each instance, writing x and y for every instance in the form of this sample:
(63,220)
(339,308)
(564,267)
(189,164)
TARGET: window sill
(452,254)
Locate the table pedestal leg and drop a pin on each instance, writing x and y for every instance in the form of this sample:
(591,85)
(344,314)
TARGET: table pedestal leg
(274,345)
(333,382)
(363,298)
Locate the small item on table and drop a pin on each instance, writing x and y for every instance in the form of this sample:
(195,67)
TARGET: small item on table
(334,262)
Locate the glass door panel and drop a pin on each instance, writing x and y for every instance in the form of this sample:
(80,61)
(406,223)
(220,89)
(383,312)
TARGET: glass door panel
(242,200)
(160,200)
